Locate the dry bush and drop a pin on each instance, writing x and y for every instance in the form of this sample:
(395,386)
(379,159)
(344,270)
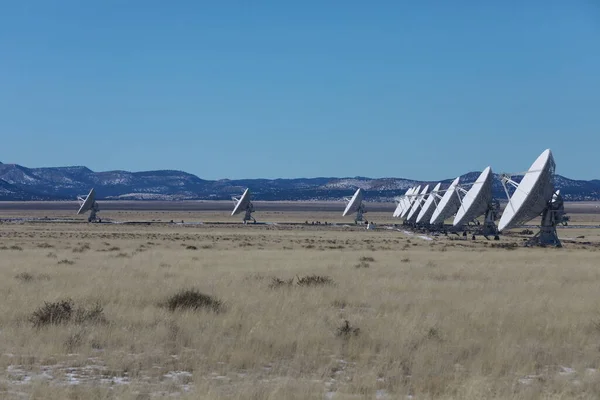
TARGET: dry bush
(82,248)
(314,280)
(193,299)
(362,264)
(66,261)
(65,311)
(347,330)
(279,283)
(24,276)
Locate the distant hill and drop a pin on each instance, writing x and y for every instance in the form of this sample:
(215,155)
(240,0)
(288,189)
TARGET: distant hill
(65,183)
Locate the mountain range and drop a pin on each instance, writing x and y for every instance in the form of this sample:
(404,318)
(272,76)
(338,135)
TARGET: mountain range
(18,183)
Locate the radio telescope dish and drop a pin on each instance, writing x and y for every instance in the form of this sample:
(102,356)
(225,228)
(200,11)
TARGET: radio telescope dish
(407,201)
(355,205)
(410,201)
(429,205)
(535,196)
(417,204)
(88,203)
(448,205)
(244,204)
(478,201)
(401,203)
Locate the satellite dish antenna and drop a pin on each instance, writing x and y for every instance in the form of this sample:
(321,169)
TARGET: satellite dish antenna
(535,196)
(244,204)
(407,201)
(355,205)
(410,201)
(478,201)
(429,205)
(448,205)
(401,203)
(417,204)
(88,203)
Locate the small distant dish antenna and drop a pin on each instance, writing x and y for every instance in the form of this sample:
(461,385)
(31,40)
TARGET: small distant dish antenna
(410,200)
(88,203)
(401,203)
(417,204)
(448,204)
(478,201)
(429,205)
(244,204)
(355,205)
(535,196)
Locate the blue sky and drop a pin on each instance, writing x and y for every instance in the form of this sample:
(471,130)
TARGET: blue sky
(424,90)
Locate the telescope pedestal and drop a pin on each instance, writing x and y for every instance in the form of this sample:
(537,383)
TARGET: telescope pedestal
(547,236)
(93,213)
(359,214)
(248,215)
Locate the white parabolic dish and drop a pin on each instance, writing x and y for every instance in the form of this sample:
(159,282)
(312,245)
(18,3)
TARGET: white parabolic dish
(88,203)
(476,200)
(406,201)
(429,207)
(532,195)
(416,207)
(410,200)
(448,205)
(400,204)
(242,203)
(354,203)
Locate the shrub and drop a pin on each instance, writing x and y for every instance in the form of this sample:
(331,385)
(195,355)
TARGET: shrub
(314,280)
(84,247)
(24,276)
(194,300)
(347,330)
(305,281)
(92,315)
(64,311)
(278,283)
(362,264)
(367,259)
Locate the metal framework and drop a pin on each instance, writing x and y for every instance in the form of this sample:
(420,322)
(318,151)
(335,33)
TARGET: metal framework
(552,215)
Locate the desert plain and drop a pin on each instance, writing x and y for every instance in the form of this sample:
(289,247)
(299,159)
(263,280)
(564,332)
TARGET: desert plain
(213,309)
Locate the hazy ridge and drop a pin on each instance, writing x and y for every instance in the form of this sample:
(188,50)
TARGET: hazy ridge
(18,183)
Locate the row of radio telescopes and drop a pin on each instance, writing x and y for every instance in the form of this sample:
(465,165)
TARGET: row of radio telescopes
(421,207)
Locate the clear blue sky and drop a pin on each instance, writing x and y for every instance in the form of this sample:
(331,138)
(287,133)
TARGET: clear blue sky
(241,89)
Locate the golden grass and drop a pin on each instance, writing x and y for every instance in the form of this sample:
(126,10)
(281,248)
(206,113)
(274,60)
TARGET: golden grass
(451,319)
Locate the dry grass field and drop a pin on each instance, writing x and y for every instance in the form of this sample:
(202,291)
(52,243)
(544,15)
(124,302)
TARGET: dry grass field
(109,311)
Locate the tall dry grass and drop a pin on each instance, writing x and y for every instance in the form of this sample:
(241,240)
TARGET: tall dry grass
(448,319)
